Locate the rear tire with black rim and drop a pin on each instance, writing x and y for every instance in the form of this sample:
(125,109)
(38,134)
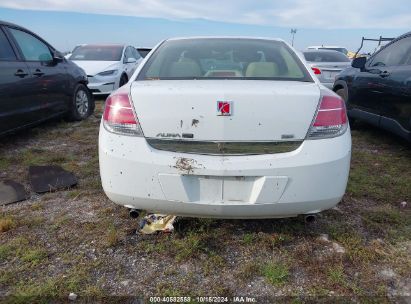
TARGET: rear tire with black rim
(82,105)
(343,95)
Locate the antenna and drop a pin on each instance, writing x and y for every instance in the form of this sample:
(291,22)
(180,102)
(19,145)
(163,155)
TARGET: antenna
(293,32)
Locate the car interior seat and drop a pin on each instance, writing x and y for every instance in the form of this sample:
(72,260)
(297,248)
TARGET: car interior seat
(185,67)
(262,69)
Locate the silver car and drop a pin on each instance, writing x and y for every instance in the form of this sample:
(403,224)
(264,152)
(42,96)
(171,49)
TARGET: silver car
(326,64)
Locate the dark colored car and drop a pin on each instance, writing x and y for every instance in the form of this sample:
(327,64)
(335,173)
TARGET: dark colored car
(378,90)
(36,82)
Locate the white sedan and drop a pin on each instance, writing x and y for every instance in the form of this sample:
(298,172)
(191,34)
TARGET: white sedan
(225,128)
(108,67)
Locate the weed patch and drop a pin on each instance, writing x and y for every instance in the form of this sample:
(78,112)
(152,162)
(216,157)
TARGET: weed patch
(7,223)
(275,273)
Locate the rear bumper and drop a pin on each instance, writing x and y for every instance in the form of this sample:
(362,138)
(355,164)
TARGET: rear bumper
(308,180)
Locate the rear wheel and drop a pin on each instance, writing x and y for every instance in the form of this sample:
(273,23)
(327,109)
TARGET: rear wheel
(123,80)
(343,95)
(82,105)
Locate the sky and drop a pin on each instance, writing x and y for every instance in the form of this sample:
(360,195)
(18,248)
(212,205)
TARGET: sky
(66,23)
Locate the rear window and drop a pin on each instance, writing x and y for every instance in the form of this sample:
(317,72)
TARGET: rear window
(325,57)
(97,53)
(341,50)
(218,58)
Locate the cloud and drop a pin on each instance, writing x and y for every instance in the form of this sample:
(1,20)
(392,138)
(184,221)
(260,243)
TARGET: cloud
(324,14)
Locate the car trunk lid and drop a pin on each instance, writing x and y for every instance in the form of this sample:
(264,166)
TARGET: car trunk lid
(330,69)
(260,111)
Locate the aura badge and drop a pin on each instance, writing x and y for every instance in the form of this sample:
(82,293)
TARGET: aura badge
(224,108)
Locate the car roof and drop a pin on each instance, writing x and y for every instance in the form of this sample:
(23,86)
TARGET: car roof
(398,38)
(101,45)
(9,23)
(322,51)
(17,26)
(225,37)
(391,42)
(326,46)
(5,23)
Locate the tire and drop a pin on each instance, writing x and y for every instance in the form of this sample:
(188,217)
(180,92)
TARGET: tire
(82,105)
(123,80)
(343,95)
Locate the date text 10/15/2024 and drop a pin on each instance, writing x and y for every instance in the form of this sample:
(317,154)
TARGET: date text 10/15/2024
(182,299)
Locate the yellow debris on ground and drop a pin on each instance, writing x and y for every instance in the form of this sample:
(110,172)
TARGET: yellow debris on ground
(153,223)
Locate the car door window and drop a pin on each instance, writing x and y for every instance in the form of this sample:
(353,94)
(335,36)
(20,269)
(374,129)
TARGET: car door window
(406,60)
(126,55)
(136,55)
(32,48)
(6,51)
(394,54)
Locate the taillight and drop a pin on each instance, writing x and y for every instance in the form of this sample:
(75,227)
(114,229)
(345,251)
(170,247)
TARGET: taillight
(317,71)
(330,119)
(119,116)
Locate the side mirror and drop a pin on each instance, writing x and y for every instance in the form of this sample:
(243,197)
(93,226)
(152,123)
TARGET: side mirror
(359,62)
(131,60)
(57,56)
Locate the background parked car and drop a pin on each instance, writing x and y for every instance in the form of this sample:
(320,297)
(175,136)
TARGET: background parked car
(37,82)
(330,48)
(326,64)
(108,67)
(68,55)
(378,90)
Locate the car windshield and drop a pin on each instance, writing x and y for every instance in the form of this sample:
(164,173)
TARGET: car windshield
(224,58)
(341,50)
(325,56)
(98,53)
